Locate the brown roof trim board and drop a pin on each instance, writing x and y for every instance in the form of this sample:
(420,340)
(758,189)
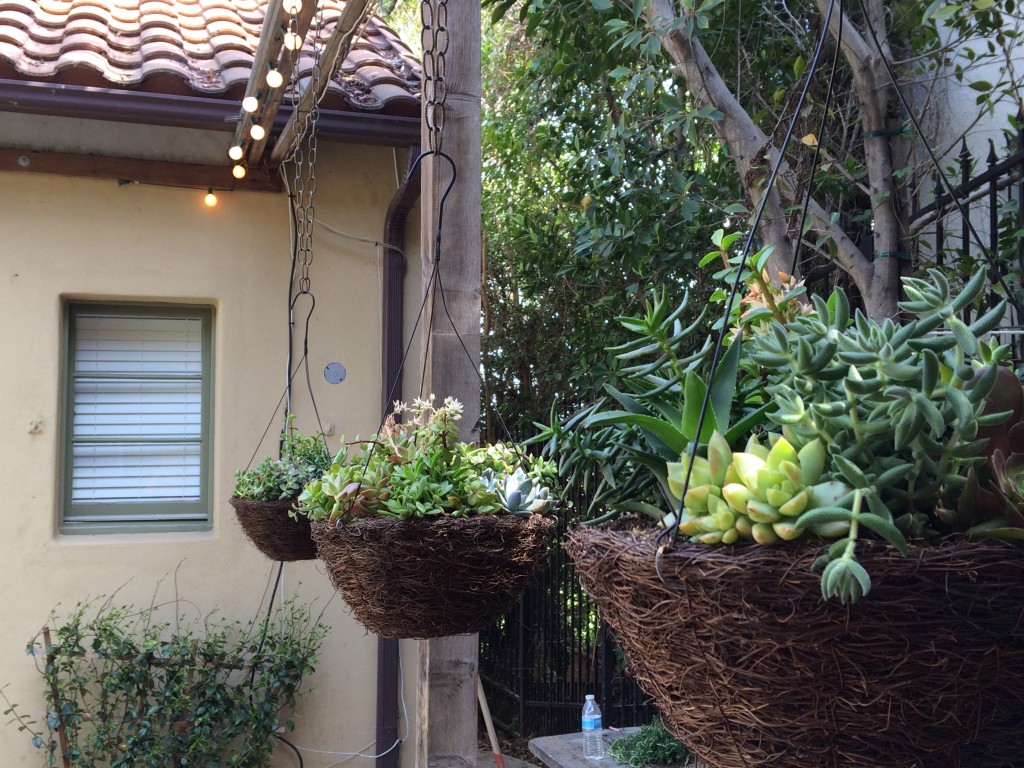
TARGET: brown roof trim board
(38,98)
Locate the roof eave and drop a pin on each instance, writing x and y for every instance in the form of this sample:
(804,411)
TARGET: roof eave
(56,100)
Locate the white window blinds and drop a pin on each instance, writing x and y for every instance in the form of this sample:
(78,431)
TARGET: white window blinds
(136,421)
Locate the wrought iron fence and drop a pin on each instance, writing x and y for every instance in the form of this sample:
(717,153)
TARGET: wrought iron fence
(993,199)
(539,662)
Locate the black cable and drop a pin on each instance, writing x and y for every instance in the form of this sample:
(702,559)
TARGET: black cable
(295,749)
(938,167)
(672,531)
(817,146)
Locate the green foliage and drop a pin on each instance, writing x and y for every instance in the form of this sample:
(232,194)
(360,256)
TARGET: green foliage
(585,207)
(302,459)
(898,408)
(132,691)
(417,467)
(650,746)
(651,412)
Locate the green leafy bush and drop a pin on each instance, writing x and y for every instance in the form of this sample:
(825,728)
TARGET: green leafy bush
(131,691)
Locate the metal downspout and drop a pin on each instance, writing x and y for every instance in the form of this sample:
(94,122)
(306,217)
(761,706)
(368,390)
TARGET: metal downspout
(408,192)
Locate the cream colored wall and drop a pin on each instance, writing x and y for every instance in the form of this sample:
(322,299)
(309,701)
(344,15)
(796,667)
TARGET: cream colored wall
(75,238)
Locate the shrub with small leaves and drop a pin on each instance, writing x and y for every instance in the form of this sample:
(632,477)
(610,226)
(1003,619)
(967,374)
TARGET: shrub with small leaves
(130,690)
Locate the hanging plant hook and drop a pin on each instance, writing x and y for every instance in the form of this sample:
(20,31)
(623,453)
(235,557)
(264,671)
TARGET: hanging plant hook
(444,195)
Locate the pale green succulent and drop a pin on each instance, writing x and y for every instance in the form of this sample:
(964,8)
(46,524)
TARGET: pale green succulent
(518,493)
(898,407)
(758,494)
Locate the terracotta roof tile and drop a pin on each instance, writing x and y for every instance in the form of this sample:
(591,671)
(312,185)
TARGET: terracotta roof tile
(205,46)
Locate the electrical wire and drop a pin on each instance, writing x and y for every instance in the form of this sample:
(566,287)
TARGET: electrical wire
(362,752)
(817,147)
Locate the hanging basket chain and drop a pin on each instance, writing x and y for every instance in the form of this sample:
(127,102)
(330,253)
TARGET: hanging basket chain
(434,16)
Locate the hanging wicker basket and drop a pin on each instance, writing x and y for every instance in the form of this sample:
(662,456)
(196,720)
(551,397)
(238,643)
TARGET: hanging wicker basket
(433,578)
(751,667)
(273,531)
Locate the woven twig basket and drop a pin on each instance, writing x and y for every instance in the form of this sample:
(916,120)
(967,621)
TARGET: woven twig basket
(272,530)
(751,667)
(433,578)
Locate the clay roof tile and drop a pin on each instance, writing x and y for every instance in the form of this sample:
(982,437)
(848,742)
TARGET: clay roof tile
(207,46)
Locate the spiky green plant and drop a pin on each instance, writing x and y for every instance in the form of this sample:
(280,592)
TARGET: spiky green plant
(897,408)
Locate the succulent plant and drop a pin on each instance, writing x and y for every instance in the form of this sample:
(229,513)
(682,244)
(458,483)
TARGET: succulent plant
(898,409)
(757,494)
(302,458)
(417,467)
(519,493)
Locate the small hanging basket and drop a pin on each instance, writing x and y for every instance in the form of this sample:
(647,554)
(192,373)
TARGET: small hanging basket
(433,578)
(751,667)
(273,531)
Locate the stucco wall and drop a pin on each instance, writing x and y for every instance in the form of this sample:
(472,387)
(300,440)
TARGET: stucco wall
(77,238)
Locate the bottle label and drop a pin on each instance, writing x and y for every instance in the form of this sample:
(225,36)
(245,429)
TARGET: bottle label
(592,723)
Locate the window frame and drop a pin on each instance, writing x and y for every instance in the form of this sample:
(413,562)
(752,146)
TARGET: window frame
(136,516)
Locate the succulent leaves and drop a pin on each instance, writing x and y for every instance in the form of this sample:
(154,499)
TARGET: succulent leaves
(418,468)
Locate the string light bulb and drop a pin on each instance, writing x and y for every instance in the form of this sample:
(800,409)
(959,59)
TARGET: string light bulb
(292,6)
(274,78)
(210,199)
(257,132)
(238,171)
(250,104)
(236,152)
(292,41)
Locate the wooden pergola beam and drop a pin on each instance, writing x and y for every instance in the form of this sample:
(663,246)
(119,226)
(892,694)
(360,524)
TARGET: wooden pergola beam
(267,51)
(158,172)
(272,103)
(335,51)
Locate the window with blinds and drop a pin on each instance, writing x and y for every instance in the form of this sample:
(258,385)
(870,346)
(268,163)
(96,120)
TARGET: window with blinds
(137,418)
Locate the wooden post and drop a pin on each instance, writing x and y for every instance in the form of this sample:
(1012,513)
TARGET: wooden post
(447,702)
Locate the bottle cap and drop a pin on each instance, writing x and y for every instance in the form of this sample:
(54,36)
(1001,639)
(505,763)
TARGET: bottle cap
(589,697)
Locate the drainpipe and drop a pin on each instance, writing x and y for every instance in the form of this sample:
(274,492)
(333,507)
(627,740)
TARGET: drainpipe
(388,668)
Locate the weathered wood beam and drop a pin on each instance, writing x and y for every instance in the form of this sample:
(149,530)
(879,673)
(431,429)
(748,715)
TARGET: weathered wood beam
(335,51)
(447,700)
(162,173)
(285,66)
(267,50)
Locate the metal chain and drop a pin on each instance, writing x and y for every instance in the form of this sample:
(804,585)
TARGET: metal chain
(434,14)
(304,158)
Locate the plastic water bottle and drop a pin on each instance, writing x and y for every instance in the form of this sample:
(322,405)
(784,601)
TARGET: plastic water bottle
(593,746)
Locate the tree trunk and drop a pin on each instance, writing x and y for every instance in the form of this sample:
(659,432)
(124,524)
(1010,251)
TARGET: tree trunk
(876,279)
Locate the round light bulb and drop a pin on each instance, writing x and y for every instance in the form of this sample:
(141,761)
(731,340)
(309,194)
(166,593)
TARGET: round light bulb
(292,41)
(210,199)
(292,6)
(257,132)
(250,104)
(274,79)
(238,171)
(236,152)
